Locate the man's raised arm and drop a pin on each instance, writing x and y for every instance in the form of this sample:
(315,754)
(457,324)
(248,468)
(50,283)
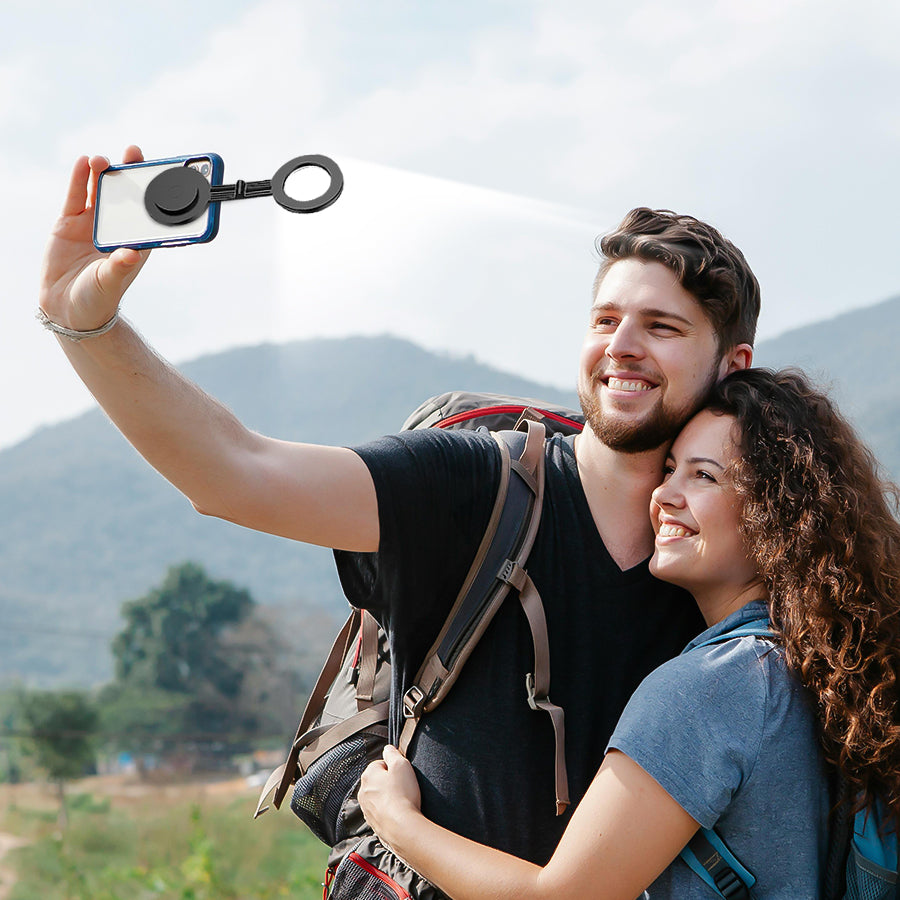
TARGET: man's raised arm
(322,495)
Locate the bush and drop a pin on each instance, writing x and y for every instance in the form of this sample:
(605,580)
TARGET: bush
(191,848)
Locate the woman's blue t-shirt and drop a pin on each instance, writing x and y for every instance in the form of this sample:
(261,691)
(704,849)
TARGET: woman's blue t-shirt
(730,734)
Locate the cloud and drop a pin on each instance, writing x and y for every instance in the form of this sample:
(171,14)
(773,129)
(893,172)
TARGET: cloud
(448,265)
(19,92)
(775,121)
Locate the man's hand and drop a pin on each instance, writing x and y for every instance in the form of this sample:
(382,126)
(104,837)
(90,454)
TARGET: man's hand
(389,797)
(81,288)
(306,492)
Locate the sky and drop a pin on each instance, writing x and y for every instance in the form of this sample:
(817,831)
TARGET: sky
(485,145)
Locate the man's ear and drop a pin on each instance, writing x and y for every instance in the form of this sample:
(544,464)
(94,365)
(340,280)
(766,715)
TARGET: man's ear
(739,357)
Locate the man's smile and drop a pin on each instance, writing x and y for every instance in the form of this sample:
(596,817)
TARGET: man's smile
(630,385)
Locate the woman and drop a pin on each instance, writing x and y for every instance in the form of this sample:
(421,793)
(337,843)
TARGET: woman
(769,502)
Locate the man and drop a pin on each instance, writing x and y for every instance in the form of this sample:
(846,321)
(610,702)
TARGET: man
(675,309)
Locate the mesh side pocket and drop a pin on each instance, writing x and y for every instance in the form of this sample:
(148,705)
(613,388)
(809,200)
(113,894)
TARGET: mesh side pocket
(320,794)
(868,881)
(357,878)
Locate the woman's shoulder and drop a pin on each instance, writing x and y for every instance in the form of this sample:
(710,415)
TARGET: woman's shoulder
(720,692)
(735,664)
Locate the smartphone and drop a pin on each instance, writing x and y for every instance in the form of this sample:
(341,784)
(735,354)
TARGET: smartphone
(122,220)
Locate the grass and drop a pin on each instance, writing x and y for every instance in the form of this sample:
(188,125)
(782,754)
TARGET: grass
(188,842)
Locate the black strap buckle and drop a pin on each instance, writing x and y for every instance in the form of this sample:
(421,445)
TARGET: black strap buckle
(730,886)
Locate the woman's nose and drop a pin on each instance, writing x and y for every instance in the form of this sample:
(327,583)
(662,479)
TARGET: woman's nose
(667,494)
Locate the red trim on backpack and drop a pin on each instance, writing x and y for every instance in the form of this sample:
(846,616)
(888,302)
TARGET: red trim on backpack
(381,876)
(326,884)
(467,416)
(358,650)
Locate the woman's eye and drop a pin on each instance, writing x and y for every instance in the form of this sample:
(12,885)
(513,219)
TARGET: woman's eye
(705,475)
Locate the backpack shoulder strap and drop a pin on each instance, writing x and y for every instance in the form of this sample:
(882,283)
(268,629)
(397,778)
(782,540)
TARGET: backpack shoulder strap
(281,779)
(709,857)
(498,567)
(707,854)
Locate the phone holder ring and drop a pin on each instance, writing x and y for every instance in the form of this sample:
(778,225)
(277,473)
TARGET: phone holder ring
(283,199)
(181,194)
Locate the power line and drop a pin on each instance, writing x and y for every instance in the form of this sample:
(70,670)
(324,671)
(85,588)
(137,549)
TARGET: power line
(27,628)
(148,737)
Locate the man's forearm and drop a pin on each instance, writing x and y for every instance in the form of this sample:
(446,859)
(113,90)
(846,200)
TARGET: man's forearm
(188,436)
(318,494)
(322,495)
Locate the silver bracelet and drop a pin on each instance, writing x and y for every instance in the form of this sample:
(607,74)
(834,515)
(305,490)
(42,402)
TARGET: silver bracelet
(71,333)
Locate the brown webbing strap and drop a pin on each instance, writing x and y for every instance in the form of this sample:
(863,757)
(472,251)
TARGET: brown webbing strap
(303,754)
(524,474)
(313,707)
(431,659)
(368,662)
(329,671)
(271,783)
(538,684)
(334,734)
(530,467)
(532,456)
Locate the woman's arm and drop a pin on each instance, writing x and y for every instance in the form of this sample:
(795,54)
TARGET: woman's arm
(626,830)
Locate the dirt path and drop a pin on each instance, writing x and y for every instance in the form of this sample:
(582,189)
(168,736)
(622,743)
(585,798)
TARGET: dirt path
(8,876)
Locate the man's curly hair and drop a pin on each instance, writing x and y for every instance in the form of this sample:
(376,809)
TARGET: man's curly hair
(707,265)
(821,525)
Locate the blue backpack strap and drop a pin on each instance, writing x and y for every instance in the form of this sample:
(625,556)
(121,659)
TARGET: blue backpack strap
(707,854)
(872,865)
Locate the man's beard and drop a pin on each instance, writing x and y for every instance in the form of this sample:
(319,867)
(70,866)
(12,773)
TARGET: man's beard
(659,427)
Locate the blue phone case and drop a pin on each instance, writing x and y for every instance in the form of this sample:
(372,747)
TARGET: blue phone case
(121,220)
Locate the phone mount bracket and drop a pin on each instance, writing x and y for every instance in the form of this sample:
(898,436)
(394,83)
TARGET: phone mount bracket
(180,195)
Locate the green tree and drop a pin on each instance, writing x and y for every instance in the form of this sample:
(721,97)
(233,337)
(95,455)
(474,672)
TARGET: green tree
(171,638)
(61,727)
(177,675)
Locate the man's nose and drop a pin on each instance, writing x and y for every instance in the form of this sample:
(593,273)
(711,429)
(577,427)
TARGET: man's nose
(626,342)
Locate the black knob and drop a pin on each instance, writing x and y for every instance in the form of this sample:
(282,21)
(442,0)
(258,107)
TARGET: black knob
(177,196)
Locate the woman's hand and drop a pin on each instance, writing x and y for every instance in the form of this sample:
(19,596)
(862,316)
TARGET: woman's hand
(80,287)
(389,797)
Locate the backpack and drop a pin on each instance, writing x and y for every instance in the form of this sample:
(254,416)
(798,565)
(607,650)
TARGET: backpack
(862,860)
(344,724)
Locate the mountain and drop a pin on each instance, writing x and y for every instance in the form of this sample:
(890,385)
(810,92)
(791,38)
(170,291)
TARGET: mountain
(855,357)
(88,524)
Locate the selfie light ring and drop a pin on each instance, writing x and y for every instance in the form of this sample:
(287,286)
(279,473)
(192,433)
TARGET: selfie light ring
(283,199)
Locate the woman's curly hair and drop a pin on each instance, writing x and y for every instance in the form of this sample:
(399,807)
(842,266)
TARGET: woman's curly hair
(820,524)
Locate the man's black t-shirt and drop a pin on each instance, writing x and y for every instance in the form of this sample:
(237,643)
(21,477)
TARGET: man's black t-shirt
(484,757)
